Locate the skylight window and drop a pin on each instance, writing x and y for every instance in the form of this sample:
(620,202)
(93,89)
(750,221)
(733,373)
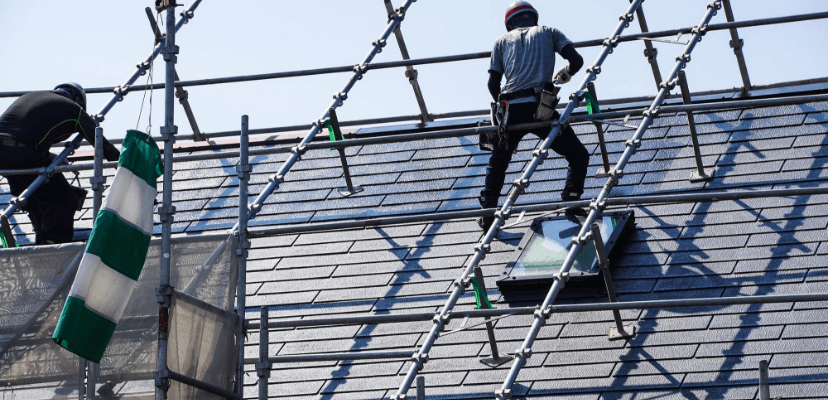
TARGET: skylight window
(545,245)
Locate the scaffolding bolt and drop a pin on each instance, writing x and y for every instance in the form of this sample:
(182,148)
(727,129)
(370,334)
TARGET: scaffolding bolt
(182,94)
(576,97)
(683,57)
(379,44)
(715,4)
(167,132)
(596,69)
(738,44)
(611,43)
(651,55)
(627,16)
(483,247)
(255,208)
(543,314)
(399,397)
(263,369)
(652,113)
(421,358)
(635,143)
(525,352)
(18,202)
(163,295)
(120,92)
(503,394)
(341,96)
(503,213)
(411,73)
(299,149)
(243,171)
(563,277)
(669,85)
(462,284)
(521,183)
(162,379)
(542,153)
(188,15)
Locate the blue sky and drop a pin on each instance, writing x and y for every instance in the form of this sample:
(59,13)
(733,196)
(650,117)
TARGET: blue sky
(99,44)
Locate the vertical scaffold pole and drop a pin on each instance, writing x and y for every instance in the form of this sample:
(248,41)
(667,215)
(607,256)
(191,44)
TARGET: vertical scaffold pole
(167,210)
(264,364)
(420,357)
(764,387)
(598,204)
(243,172)
(98,180)
(736,43)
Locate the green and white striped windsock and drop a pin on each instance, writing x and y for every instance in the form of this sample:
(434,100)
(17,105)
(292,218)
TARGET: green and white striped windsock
(115,252)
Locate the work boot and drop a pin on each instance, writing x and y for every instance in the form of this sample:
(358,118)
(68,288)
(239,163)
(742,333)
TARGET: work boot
(573,211)
(486,202)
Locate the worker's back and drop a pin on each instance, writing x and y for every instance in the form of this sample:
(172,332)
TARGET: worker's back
(526,56)
(42,118)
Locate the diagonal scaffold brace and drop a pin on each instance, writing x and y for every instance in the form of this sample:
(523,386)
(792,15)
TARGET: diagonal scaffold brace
(441,318)
(599,203)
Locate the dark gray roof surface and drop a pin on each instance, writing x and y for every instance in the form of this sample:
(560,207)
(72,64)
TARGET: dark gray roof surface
(730,248)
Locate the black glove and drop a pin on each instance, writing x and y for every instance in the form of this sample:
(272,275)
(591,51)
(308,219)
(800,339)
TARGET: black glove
(111,153)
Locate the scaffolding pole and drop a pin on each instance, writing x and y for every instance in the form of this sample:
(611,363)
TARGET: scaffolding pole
(243,172)
(410,72)
(435,60)
(649,51)
(555,309)
(599,204)
(421,356)
(451,133)
(166,211)
(737,44)
(339,99)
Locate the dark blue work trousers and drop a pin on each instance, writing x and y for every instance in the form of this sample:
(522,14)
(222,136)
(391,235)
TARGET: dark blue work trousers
(52,206)
(565,144)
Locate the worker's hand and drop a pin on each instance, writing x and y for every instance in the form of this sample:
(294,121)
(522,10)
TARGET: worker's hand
(111,153)
(563,75)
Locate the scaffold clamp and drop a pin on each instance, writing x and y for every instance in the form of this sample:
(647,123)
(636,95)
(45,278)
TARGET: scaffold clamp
(503,394)
(162,379)
(243,171)
(595,68)
(563,277)
(525,352)
(420,358)
(543,314)
(263,369)
(483,247)
(399,397)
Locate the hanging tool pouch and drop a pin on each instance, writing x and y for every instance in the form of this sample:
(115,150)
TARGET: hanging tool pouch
(547,102)
(500,118)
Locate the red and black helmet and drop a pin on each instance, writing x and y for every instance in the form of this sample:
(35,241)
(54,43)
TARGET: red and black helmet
(518,7)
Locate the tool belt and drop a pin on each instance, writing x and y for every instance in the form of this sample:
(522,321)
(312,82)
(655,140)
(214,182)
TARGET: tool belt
(10,141)
(500,118)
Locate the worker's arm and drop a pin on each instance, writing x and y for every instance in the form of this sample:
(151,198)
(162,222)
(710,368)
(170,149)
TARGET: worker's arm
(87,125)
(575,63)
(494,83)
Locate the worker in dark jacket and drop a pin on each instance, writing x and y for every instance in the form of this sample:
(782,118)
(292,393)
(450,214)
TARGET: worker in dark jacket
(525,55)
(28,128)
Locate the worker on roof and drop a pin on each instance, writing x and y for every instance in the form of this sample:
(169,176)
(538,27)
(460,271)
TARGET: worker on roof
(28,129)
(525,55)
